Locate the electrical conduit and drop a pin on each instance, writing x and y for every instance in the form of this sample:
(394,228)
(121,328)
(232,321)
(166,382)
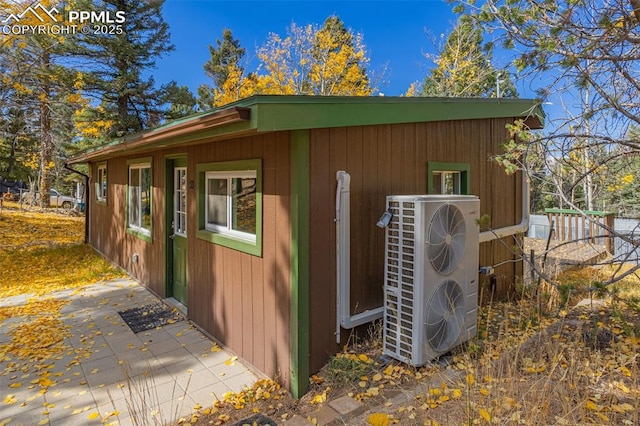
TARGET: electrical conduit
(344,318)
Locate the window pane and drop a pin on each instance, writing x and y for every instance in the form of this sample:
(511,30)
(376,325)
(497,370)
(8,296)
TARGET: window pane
(180,201)
(103,186)
(437,183)
(145,197)
(449,184)
(244,205)
(217,202)
(134,197)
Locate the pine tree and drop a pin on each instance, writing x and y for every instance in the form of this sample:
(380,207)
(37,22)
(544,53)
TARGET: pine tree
(179,100)
(225,68)
(114,64)
(228,53)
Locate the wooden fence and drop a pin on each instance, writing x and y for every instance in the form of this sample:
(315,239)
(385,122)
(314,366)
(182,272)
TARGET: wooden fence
(570,225)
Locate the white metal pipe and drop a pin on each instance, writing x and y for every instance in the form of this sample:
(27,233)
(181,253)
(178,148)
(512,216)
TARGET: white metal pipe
(344,318)
(522,227)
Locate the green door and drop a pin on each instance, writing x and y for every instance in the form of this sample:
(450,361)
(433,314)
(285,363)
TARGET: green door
(178,232)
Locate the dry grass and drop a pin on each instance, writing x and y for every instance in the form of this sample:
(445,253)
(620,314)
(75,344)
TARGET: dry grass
(531,363)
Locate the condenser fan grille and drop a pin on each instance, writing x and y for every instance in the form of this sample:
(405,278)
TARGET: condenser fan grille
(444,316)
(446,238)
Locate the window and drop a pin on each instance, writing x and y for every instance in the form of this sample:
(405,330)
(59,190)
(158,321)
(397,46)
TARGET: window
(230,204)
(448,178)
(446,182)
(180,201)
(139,200)
(101,183)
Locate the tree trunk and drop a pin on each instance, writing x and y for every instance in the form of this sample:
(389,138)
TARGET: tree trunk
(46,140)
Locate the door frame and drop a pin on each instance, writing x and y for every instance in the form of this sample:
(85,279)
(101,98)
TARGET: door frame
(170,163)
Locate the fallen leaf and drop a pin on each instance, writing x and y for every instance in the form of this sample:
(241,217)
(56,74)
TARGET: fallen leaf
(470,379)
(10,399)
(378,419)
(590,405)
(320,398)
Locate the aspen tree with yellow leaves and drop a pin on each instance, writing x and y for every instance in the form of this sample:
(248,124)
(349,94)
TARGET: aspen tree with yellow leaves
(330,60)
(463,67)
(308,60)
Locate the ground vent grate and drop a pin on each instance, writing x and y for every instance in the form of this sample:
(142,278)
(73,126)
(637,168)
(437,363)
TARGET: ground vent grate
(150,316)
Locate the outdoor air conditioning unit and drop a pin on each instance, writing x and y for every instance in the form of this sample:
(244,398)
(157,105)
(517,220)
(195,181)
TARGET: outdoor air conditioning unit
(431,275)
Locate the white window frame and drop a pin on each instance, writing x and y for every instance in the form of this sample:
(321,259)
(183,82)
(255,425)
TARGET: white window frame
(227,230)
(138,227)
(179,191)
(101,183)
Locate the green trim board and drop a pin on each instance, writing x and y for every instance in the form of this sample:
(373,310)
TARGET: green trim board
(299,335)
(141,235)
(221,239)
(463,168)
(285,112)
(569,211)
(309,112)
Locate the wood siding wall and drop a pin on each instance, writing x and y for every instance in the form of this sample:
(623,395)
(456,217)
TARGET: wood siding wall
(240,299)
(392,160)
(107,225)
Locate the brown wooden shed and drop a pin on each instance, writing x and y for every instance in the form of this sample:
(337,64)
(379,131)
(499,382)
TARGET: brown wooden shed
(231,212)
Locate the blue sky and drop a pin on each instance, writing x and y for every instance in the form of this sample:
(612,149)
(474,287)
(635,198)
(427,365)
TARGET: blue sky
(396,33)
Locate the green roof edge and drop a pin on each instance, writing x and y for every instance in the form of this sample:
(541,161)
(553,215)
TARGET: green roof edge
(295,112)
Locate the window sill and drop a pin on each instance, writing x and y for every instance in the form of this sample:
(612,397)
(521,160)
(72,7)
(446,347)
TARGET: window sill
(143,235)
(253,248)
(101,202)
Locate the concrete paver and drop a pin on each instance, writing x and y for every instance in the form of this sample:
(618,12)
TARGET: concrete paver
(108,374)
(347,406)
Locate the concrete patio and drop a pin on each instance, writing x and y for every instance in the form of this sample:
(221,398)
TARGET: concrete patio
(109,375)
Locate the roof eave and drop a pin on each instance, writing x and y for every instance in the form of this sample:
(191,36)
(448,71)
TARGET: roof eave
(267,113)
(194,125)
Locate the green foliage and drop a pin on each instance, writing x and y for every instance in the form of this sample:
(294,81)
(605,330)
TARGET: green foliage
(227,53)
(621,181)
(224,59)
(484,221)
(113,67)
(512,157)
(179,99)
(308,60)
(348,367)
(59,94)
(36,108)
